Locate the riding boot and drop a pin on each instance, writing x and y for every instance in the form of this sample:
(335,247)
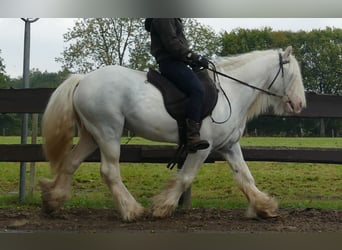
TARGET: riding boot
(194,141)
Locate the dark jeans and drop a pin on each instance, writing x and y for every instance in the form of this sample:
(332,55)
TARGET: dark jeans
(186,81)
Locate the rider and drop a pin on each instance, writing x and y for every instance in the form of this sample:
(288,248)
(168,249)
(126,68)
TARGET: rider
(173,55)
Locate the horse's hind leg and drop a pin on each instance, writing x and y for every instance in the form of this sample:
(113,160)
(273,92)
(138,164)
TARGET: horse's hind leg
(55,192)
(129,208)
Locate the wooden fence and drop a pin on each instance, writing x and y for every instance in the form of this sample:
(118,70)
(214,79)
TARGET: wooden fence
(35,100)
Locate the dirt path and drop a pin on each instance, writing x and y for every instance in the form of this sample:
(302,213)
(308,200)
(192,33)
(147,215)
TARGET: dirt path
(190,220)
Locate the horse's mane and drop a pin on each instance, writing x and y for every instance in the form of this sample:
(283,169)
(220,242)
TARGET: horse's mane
(236,61)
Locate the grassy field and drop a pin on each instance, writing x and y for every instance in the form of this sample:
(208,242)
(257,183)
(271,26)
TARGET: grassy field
(293,184)
(322,142)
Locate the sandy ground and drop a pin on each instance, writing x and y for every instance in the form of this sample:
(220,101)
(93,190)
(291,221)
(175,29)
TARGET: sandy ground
(184,220)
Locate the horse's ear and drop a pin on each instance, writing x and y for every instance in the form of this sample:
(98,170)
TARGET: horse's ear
(287,52)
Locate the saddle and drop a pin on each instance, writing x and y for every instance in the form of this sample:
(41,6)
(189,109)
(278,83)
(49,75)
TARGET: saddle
(175,100)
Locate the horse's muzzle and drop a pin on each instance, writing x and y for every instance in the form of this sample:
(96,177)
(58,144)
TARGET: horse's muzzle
(293,105)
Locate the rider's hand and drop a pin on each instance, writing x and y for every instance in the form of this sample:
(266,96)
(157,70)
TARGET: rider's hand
(203,62)
(198,60)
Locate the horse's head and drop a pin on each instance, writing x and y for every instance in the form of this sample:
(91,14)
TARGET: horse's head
(289,84)
(275,74)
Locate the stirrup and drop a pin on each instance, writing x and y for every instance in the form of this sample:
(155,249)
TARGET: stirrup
(200,145)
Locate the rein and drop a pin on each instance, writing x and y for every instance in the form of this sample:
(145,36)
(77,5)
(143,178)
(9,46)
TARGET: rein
(281,68)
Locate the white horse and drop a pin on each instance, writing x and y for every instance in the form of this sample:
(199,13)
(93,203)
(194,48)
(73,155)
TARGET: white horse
(107,100)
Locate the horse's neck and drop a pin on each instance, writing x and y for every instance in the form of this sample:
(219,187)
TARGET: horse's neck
(252,68)
(254,72)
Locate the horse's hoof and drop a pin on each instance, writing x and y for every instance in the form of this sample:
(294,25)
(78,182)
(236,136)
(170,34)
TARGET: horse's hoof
(137,213)
(49,207)
(162,211)
(267,214)
(52,199)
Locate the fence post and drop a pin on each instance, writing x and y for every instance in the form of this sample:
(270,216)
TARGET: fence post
(33,141)
(26,76)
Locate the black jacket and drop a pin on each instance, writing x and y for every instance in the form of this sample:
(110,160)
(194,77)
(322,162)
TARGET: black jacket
(167,39)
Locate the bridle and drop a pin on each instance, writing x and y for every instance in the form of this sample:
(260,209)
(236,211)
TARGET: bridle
(281,68)
(266,91)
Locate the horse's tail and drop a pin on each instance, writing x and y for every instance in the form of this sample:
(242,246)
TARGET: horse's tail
(58,125)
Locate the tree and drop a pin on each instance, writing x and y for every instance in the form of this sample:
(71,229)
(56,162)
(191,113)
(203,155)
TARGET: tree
(40,79)
(321,60)
(321,65)
(202,38)
(140,57)
(4,79)
(6,120)
(245,40)
(2,66)
(96,42)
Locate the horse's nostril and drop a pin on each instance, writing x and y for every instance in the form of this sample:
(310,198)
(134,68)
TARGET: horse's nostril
(291,104)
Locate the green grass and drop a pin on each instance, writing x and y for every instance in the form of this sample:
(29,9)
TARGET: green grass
(322,142)
(295,185)
(309,142)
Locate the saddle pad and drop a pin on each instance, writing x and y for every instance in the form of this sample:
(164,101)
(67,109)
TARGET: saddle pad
(175,100)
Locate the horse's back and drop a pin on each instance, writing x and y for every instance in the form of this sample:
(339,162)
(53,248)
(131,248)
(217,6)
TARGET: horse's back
(118,95)
(113,76)
(105,90)
(115,81)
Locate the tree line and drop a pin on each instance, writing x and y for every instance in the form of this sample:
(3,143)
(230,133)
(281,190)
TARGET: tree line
(95,42)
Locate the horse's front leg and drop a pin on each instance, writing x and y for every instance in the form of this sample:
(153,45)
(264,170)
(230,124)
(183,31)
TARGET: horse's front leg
(260,204)
(165,203)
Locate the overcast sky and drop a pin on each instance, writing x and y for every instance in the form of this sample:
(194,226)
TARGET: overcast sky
(47,36)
